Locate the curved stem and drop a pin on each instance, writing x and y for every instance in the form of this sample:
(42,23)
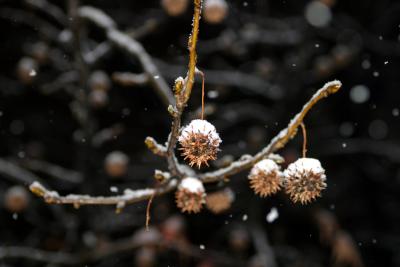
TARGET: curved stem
(303,128)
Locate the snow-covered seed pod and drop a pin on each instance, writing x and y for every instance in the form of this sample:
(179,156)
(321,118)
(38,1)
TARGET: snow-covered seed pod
(220,201)
(116,164)
(265,178)
(175,7)
(215,11)
(190,195)
(304,180)
(200,142)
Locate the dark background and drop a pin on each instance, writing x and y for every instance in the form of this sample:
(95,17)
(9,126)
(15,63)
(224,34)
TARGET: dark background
(272,61)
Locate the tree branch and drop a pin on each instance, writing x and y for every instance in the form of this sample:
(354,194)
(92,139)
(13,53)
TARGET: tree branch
(128,197)
(130,45)
(277,142)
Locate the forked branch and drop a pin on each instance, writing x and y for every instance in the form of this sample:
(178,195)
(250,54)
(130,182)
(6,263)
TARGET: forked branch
(133,196)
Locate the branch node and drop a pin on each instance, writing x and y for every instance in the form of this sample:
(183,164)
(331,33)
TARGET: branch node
(161,176)
(155,147)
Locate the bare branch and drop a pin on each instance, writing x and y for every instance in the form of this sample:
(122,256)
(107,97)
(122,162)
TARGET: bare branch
(61,258)
(277,142)
(155,147)
(130,79)
(53,170)
(128,197)
(131,46)
(15,172)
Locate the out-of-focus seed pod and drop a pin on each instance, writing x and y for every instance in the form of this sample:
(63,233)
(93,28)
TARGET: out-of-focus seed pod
(190,195)
(239,239)
(116,163)
(40,52)
(173,228)
(342,54)
(147,237)
(174,7)
(215,11)
(145,257)
(98,99)
(99,80)
(324,65)
(16,199)
(27,69)
(327,225)
(220,201)
(345,251)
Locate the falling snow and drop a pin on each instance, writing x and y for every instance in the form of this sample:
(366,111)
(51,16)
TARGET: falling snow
(272,215)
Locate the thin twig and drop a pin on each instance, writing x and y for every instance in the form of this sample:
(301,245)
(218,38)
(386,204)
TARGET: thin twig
(303,128)
(183,95)
(131,196)
(130,45)
(128,197)
(53,170)
(277,142)
(57,258)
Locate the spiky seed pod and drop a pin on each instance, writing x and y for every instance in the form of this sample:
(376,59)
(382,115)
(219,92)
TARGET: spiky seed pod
(265,178)
(304,180)
(200,142)
(220,201)
(190,195)
(215,11)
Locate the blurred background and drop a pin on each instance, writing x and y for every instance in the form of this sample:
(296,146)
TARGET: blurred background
(75,109)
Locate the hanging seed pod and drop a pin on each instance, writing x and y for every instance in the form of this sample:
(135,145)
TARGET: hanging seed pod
(215,11)
(200,142)
(304,180)
(190,195)
(265,178)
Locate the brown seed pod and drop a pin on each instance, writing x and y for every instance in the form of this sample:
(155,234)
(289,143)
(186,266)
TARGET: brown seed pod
(190,195)
(304,180)
(215,11)
(220,201)
(265,178)
(200,142)
(174,7)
